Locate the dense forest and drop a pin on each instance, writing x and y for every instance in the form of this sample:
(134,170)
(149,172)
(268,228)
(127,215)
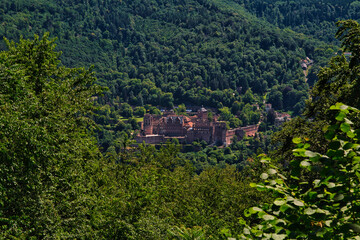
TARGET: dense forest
(193,52)
(313,18)
(68,164)
(161,53)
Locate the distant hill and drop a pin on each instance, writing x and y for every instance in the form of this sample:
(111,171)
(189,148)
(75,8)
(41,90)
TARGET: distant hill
(314,18)
(193,51)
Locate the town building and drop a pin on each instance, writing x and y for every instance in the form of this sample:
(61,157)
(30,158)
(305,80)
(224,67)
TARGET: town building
(158,129)
(281,118)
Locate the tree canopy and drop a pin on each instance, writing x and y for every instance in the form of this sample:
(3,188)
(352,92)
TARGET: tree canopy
(55,183)
(47,152)
(317,195)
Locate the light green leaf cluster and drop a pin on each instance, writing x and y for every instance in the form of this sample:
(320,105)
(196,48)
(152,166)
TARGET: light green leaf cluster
(327,205)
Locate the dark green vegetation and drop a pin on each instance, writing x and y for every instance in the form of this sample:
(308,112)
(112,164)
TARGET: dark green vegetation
(166,52)
(337,83)
(327,205)
(198,52)
(312,18)
(55,182)
(320,197)
(46,153)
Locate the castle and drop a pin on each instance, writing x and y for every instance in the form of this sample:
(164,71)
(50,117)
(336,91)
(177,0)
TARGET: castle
(158,129)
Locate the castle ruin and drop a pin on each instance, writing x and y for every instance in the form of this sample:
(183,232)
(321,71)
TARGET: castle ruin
(158,129)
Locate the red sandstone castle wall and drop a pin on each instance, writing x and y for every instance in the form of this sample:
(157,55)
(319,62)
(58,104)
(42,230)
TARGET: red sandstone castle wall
(152,139)
(251,130)
(190,129)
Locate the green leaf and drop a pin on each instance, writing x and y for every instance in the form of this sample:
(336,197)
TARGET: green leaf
(299,203)
(350,154)
(294,177)
(339,106)
(299,151)
(253,185)
(350,134)
(330,185)
(356,160)
(268,217)
(345,127)
(284,207)
(278,236)
(329,135)
(309,211)
(246,231)
(265,160)
(272,171)
(335,145)
(336,106)
(264,176)
(348,121)
(328,223)
(255,209)
(297,140)
(339,197)
(317,182)
(320,233)
(312,195)
(305,164)
(333,153)
(322,211)
(311,154)
(340,116)
(348,146)
(247,213)
(279,202)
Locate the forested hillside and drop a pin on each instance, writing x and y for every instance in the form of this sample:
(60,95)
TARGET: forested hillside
(166,52)
(153,54)
(55,183)
(313,18)
(69,168)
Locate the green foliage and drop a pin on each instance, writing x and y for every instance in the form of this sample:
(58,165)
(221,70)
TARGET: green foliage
(235,122)
(152,52)
(225,114)
(314,18)
(140,111)
(326,207)
(126,110)
(195,233)
(238,154)
(149,192)
(54,183)
(338,82)
(181,109)
(46,150)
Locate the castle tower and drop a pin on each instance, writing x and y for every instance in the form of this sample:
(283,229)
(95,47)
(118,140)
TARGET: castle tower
(202,113)
(219,135)
(148,124)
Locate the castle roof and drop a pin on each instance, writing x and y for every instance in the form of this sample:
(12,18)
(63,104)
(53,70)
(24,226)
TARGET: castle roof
(174,118)
(202,109)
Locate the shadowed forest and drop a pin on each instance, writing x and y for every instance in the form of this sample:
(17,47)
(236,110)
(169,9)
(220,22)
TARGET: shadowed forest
(77,78)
